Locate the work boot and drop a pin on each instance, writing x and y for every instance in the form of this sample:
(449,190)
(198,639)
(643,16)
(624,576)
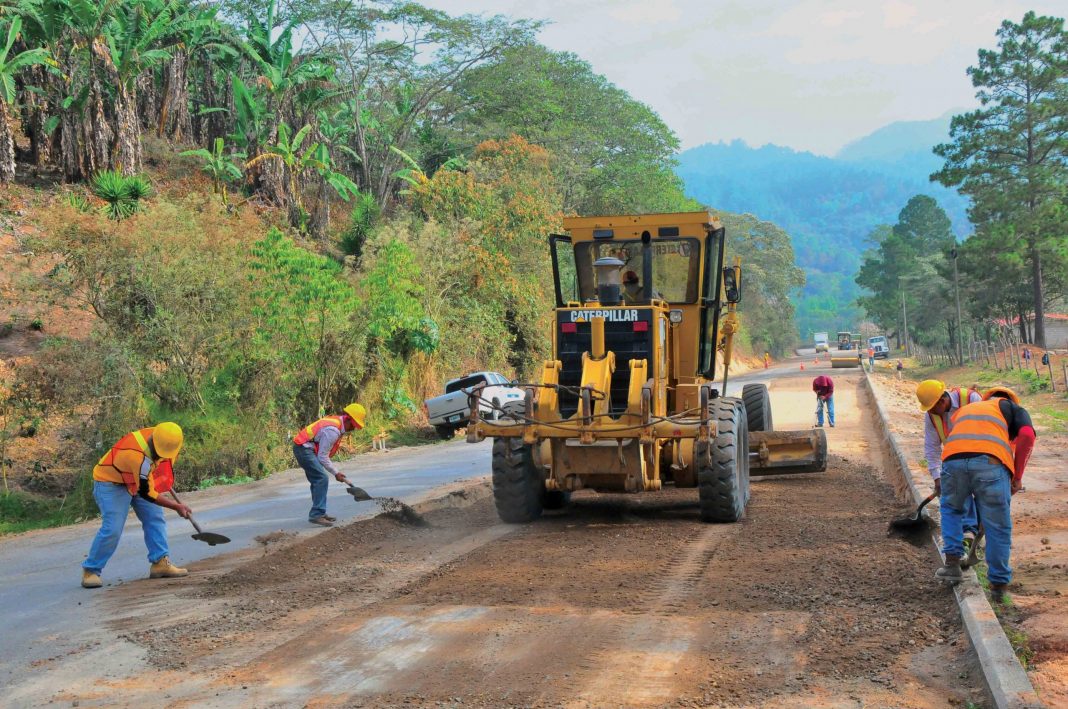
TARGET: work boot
(164,569)
(998,591)
(328,518)
(91,580)
(321,521)
(950,571)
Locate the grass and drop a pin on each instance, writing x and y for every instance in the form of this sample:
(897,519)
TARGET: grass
(224,480)
(21,512)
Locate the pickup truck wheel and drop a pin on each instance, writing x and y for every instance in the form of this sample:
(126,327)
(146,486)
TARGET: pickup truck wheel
(518,487)
(444,432)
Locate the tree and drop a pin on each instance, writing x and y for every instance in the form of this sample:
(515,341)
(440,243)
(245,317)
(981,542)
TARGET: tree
(611,154)
(1011,155)
(9,68)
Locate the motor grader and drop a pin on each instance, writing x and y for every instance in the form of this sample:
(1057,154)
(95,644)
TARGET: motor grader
(645,308)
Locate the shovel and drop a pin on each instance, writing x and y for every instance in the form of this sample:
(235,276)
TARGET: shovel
(913,521)
(209,538)
(358,493)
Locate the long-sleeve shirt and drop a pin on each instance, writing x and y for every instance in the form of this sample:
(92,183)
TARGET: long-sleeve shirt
(326,438)
(932,443)
(823,386)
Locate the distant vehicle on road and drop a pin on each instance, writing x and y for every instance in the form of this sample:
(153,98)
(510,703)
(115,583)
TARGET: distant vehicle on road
(880,345)
(450,412)
(845,340)
(821,342)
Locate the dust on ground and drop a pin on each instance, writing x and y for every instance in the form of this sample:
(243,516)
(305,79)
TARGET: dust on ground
(618,600)
(1040,533)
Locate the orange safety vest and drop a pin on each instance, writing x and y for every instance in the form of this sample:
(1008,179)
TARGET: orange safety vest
(309,432)
(980,428)
(122,465)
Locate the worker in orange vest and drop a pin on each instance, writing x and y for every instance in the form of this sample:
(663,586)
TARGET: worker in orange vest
(134,473)
(313,448)
(940,403)
(984,456)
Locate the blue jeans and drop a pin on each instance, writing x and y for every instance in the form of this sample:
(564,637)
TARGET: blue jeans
(317,477)
(114,501)
(830,410)
(990,483)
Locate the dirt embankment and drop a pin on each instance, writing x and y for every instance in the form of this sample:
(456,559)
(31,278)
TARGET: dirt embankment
(1040,533)
(619,600)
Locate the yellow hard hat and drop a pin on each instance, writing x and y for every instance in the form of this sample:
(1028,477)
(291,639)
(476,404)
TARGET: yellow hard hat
(1002,390)
(929,392)
(357,413)
(167,439)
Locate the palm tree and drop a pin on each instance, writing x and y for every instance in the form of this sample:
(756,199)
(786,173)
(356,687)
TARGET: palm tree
(9,67)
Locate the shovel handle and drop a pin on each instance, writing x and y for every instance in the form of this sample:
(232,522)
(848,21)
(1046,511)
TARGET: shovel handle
(925,502)
(191,520)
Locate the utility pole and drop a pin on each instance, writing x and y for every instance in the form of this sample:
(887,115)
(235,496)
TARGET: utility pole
(956,289)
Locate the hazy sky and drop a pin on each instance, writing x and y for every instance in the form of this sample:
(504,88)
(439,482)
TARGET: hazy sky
(810,74)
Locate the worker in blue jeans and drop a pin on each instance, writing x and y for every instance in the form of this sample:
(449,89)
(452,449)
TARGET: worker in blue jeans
(824,388)
(313,448)
(984,457)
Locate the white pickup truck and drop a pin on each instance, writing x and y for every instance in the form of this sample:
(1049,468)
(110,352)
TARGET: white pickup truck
(449,412)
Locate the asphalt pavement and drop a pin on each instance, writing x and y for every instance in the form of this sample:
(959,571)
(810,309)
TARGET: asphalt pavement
(47,614)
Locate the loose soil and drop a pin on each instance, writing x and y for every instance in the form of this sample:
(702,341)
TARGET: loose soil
(616,601)
(1040,531)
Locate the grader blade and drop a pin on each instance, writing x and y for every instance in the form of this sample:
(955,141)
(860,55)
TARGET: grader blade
(787,452)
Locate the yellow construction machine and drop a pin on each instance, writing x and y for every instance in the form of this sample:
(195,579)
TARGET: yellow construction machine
(645,307)
(848,353)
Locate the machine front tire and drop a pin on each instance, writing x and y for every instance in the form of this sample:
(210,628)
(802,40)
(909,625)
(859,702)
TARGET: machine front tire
(723,464)
(518,487)
(757,407)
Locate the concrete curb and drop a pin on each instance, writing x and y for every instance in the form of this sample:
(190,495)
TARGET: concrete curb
(1006,680)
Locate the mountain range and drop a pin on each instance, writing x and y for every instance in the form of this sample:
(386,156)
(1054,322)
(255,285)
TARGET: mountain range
(828,205)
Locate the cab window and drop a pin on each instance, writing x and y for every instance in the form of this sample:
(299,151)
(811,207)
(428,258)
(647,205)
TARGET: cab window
(676,266)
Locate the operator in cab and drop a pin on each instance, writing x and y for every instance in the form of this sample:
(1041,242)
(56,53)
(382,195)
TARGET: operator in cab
(633,293)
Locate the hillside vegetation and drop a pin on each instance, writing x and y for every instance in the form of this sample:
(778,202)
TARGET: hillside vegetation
(209,221)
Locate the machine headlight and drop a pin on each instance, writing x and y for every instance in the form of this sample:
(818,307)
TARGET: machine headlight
(675,316)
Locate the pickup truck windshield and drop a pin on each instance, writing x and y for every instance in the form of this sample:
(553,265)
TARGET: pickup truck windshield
(676,266)
(465,383)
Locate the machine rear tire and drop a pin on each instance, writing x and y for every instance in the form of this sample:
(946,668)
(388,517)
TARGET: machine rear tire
(518,485)
(723,464)
(445,433)
(757,407)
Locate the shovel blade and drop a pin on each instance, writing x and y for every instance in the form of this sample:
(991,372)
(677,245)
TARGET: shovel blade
(211,538)
(359,493)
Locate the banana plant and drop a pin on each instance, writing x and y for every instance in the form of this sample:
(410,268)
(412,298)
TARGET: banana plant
(220,165)
(9,67)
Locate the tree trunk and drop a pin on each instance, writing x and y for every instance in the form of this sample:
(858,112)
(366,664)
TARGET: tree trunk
(36,117)
(7,145)
(127,155)
(174,119)
(1036,284)
(97,132)
(147,100)
(319,223)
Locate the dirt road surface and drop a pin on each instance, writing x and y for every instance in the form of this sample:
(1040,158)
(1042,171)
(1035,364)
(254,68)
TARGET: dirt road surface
(616,601)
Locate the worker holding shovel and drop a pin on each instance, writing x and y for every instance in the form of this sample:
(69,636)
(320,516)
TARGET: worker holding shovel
(313,448)
(134,473)
(940,403)
(984,456)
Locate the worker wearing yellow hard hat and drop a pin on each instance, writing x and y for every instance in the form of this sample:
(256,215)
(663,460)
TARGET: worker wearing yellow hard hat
(134,473)
(939,404)
(315,445)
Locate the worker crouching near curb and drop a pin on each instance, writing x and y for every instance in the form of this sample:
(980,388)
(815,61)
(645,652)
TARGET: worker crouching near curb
(134,473)
(984,456)
(940,404)
(315,445)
